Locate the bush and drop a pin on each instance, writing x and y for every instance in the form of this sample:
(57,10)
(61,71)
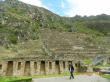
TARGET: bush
(13,39)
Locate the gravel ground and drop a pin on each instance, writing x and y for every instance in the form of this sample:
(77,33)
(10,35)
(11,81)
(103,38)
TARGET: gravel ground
(80,78)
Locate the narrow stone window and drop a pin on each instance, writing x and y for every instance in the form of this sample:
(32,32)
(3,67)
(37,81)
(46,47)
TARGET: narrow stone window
(27,68)
(35,65)
(57,67)
(50,65)
(42,67)
(64,65)
(19,65)
(10,67)
(0,67)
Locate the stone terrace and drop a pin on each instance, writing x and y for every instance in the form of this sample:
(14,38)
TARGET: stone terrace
(69,45)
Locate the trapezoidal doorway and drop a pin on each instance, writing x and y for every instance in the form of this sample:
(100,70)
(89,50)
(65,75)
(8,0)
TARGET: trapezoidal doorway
(57,67)
(27,68)
(9,71)
(42,67)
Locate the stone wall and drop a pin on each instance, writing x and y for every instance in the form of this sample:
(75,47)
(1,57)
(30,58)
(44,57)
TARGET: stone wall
(69,45)
(33,67)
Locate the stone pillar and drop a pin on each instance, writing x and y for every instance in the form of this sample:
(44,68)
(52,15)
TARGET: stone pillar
(38,67)
(66,66)
(61,67)
(15,67)
(4,68)
(46,67)
(53,67)
(22,68)
(32,69)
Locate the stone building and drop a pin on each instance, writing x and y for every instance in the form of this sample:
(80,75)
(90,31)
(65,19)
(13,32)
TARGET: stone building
(33,66)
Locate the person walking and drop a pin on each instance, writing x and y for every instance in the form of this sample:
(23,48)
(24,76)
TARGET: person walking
(71,70)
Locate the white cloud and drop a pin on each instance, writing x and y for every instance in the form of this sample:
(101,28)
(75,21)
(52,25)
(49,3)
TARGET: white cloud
(77,7)
(62,4)
(35,2)
(88,7)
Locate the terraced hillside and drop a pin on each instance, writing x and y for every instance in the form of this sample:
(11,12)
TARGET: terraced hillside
(60,45)
(67,45)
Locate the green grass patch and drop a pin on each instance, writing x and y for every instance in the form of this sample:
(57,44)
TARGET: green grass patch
(106,76)
(13,79)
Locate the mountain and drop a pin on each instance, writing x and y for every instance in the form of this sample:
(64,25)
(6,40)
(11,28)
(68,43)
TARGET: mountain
(20,22)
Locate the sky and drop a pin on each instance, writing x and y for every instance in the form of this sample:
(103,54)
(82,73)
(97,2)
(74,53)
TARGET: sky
(73,7)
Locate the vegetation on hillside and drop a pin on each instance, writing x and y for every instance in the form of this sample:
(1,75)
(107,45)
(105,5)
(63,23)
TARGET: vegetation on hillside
(21,22)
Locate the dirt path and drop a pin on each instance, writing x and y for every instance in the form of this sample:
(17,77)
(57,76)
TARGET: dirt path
(80,78)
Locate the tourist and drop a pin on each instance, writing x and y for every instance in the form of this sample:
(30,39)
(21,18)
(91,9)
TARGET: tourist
(71,70)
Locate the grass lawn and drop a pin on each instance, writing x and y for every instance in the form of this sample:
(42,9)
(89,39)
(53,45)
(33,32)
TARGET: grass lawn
(14,79)
(106,76)
(9,79)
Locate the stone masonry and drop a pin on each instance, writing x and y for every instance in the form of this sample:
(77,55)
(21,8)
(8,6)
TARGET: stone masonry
(21,67)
